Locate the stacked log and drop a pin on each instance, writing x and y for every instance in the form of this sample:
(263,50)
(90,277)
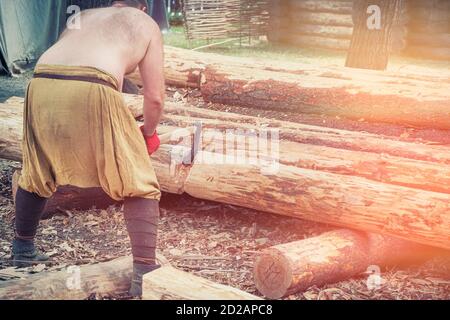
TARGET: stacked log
(409,103)
(307,23)
(313,187)
(429,29)
(423,31)
(408,98)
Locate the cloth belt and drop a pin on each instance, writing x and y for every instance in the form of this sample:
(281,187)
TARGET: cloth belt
(74,78)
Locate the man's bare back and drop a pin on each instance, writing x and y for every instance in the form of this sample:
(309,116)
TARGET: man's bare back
(117,40)
(113,39)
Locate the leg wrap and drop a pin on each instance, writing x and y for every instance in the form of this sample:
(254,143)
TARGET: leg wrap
(141,218)
(29,209)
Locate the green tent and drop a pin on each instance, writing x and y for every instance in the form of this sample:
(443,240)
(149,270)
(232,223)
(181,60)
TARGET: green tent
(27,29)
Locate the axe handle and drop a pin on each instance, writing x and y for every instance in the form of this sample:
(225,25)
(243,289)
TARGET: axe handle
(166,137)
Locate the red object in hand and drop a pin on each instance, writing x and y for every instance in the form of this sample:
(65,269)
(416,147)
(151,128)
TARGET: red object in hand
(152,141)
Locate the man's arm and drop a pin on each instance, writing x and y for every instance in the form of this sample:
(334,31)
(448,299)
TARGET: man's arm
(151,69)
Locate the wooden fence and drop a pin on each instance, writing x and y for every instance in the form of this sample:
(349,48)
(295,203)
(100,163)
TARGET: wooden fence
(221,19)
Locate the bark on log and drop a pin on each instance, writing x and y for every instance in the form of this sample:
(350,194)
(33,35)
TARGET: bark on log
(178,72)
(429,52)
(377,167)
(103,278)
(403,104)
(316,41)
(322,31)
(183,68)
(340,200)
(334,256)
(168,283)
(114,277)
(437,40)
(341,7)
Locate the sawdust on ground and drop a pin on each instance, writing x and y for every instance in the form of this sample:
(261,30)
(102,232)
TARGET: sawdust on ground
(212,240)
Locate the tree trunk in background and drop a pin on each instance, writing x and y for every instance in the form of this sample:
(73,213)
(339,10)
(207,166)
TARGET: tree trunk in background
(370,48)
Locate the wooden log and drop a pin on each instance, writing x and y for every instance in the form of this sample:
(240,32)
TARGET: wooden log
(403,104)
(322,6)
(104,278)
(317,41)
(437,40)
(74,282)
(343,200)
(371,44)
(322,31)
(334,256)
(184,68)
(168,283)
(373,166)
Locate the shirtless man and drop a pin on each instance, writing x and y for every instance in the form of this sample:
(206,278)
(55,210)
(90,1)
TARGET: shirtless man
(78,131)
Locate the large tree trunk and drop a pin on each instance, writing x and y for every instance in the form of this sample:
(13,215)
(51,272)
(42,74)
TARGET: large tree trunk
(408,103)
(308,193)
(183,68)
(331,257)
(349,201)
(371,43)
(111,277)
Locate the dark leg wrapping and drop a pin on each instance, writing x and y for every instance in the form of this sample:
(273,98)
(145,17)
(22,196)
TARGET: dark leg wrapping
(29,209)
(141,218)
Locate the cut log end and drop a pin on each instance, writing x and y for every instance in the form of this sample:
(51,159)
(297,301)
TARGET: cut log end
(272,273)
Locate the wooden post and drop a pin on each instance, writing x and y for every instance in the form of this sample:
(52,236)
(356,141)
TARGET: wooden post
(374,22)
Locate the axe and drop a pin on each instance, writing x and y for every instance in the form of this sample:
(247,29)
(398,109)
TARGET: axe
(187,155)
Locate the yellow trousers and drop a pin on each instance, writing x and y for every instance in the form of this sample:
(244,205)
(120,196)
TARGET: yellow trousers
(81,133)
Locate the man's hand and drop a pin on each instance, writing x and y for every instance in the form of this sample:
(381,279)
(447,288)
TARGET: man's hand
(152,141)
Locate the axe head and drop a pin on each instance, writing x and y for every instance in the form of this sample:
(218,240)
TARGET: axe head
(196,141)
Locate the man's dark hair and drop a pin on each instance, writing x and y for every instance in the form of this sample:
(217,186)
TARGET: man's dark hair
(133,3)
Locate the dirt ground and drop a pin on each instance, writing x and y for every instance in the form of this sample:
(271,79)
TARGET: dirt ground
(212,240)
(14,86)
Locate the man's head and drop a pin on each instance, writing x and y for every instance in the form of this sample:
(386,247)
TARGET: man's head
(138,4)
